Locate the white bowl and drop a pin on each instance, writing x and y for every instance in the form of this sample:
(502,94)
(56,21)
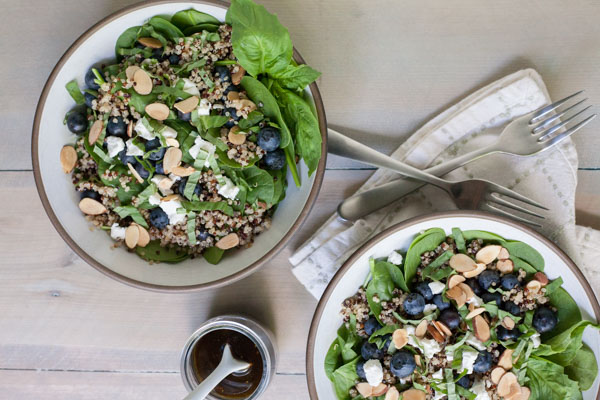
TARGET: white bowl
(61,201)
(352,274)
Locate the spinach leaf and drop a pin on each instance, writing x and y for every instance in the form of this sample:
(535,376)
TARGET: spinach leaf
(548,381)
(73,89)
(344,379)
(155,252)
(260,43)
(126,40)
(348,340)
(459,239)
(552,286)
(253,118)
(208,205)
(213,255)
(191,17)
(297,77)
(381,285)
(206,122)
(562,348)
(134,213)
(520,264)
(332,359)
(485,236)
(568,312)
(261,185)
(437,263)
(163,26)
(418,247)
(525,252)
(583,368)
(382,332)
(395,273)
(279,184)
(190,30)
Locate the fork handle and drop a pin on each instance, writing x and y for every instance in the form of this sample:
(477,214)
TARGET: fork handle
(364,203)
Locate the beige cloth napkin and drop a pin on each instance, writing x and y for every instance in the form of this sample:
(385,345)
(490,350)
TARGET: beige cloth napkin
(549,177)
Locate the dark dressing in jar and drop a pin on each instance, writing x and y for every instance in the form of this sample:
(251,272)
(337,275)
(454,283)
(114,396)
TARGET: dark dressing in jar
(207,354)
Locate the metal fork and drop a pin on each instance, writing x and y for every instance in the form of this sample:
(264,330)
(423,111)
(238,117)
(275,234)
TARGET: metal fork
(527,135)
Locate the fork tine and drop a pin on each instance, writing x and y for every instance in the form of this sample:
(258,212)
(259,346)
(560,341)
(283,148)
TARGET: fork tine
(514,195)
(505,203)
(545,110)
(496,210)
(546,134)
(547,122)
(563,135)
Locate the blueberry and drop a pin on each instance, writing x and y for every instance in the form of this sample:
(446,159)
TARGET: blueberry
(231,87)
(483,362)
(269,138)
(544,320)
(158,154)
(232,112)
(474,285)
(90,194)
(509,281)
(450,318)
(143,172)
(488,278)
(222,73)
(402,364)
(370,351)
(116,127)
(424,290)
(77,122)
(174,59)
(371,325)
(158,218)
(202,235)
(511,308)
(88,99)
(488,297)
(441,304)
(158,54)
(413,304)
(158,168)
(89,80)
(360,369)
(388,341)
(152,144)
(465,381)
(125,159)
(507,334)
(184,116)
(275,160)
(181,187)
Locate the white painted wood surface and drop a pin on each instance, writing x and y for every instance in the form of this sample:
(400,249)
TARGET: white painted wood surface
(67,332)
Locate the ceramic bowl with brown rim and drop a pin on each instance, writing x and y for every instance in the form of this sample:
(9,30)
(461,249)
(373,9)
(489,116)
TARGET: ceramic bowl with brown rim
(61,200)
(354,272)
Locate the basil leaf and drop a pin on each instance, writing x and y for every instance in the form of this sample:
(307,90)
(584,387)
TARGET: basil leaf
(166,28)
(134,213)
(297,77)
(548,381)
(213,255)
(191,17)
(206,122)
(73,89)
(208,206)
(155,252)
(459,239)
(190,30)
(563,347)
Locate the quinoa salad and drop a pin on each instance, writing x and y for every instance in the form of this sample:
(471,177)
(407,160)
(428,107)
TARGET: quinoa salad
(183,146)
(469,315)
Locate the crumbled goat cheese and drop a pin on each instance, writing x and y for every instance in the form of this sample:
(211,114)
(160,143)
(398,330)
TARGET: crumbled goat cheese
(204,107)
(143,131)
(476,301)
(395,258)
(468,359)
(117,232)
(410,330)
(438,395)
(229,190)
(154,199)
(115,145)
(373,372)
(535,339)
(190,87)
(132,149)
(170,208)
(473,341)
(450,355)
(436,287)
(169,132)
(201,144)
(437,374)
(156,179)
(478,389)
(174,177)
(429,308)
(430,347)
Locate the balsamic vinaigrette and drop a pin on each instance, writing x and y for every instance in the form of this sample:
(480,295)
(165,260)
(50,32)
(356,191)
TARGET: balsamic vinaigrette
(207,354)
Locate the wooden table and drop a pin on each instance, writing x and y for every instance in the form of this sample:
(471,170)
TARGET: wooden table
(68,332)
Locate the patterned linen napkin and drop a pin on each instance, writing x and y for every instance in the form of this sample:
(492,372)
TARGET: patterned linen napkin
(549,177)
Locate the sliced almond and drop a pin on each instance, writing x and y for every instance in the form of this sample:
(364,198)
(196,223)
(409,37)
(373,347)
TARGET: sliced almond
(132,235)
(534,286)
(228,241)
(525,393)
(187,105)
(468,291)
(172,142)
(95,131)
(130,71)
(235,129)
(497,374)
(134,173)
(413,394)
(421,329)
(481,328)
(379,390)
(68,158)
(504,254)
(443,328)
(542,278)
(505,383)
(488,253)
(505,360)
(144,237)
(182,171)
(418,360)
(247,105)
(392,394)
(171,197)
(458,295)
(508,323)
(514,392)
(165,184)
(91,207)
(475,312)
(142,83)
(455,280)
(364,389)
(236,138)
(462,263)
(400,338)
(151,42)
(232,95)
(435,334)
(505,266)
(158,111)
(237,76)
(130,129)
(478,269)
(171,159)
